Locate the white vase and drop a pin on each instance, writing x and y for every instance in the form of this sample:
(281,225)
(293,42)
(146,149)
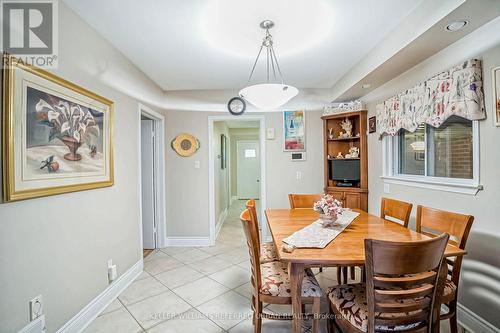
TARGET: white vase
(327,220)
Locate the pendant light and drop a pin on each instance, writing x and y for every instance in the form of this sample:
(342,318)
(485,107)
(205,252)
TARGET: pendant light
(269,95)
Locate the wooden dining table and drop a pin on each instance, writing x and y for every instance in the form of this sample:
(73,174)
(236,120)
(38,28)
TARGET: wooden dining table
(346,249)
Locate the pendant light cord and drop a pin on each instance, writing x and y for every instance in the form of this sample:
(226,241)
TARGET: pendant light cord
(267,42)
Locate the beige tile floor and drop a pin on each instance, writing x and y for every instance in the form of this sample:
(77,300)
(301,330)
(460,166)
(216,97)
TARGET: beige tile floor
(202,290)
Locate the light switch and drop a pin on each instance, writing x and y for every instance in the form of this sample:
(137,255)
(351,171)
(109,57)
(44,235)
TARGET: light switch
(387,188)
(196,164)
(270,133)
(299,175)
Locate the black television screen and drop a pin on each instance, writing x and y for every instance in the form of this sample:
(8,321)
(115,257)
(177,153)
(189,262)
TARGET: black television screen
(344,170)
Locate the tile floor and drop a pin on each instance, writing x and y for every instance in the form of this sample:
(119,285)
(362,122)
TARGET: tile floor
(204,289)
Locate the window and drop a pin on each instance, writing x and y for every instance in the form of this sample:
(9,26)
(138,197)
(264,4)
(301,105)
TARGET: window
(445,156)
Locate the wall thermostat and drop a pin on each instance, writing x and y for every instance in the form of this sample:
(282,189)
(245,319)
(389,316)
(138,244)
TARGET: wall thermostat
(300,156)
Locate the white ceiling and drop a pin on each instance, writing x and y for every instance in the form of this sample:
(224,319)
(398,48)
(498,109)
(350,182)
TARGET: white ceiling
(200,44)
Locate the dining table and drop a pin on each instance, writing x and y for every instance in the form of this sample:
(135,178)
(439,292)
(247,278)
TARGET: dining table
(347,249)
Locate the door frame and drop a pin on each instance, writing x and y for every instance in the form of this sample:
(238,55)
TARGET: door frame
(159,172)
(244,141)
(211,169)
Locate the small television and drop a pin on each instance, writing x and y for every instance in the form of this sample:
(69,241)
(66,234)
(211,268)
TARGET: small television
(344,171)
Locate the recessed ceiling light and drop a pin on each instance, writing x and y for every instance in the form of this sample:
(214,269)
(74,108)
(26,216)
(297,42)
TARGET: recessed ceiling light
(456,25)
(366,86)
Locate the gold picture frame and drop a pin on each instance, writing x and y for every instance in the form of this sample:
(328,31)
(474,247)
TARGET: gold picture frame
(64,118)
(495,79)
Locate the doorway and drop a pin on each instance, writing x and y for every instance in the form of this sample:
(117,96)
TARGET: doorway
(238,172)
(248,169)
(152,181)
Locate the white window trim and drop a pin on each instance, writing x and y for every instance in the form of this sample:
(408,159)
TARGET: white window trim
(464,186)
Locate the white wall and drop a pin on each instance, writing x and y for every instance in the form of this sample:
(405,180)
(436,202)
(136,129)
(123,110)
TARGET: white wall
(187,187)
(480,286)
(58,246)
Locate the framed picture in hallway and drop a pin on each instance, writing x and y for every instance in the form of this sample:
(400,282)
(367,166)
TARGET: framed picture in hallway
(57,135)
(496,94)
(294,130)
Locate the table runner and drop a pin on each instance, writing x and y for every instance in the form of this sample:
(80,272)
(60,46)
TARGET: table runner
(315,236)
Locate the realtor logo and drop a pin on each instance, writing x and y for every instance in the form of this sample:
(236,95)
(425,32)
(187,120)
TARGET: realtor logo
(29,31)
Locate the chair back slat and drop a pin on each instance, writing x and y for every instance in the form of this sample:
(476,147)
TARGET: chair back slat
(432,222)
(399,210)
(250,204)
(248,221)
(303,200)
(403,279)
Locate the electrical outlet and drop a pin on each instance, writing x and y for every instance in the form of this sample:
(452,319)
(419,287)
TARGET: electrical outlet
(299,175)
(112,275)
(196,164)
(36,307)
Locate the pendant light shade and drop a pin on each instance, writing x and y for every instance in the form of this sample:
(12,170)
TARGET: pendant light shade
(268,96)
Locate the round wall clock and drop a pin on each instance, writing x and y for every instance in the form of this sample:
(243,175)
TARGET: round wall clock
(185,144)
(236,106)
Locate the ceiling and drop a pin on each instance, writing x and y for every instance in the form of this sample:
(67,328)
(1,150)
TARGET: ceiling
(210,45)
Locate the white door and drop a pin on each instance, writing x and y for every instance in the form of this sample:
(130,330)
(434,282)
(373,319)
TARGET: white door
(148,190)
(248,169)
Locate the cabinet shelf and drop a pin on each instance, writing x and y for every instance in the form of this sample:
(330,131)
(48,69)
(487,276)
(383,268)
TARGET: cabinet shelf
(345,139)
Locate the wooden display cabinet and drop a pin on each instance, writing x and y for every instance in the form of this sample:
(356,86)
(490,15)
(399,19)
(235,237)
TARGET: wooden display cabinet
(355,193)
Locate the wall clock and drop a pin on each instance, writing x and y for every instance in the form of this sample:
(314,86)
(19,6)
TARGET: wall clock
(236,106)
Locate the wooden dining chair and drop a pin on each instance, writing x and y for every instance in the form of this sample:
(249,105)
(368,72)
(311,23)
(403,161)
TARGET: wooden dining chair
(268,251)
(271,281)
(431,222)
(396,209)
(402,293)
(303,200)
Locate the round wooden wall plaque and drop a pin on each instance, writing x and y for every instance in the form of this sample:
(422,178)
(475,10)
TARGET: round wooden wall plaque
(185,144)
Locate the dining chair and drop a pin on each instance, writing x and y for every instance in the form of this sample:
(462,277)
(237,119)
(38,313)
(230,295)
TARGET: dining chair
(402,293)
(298,201)
(271,281)
(396,209)
(431,222)
(268,251)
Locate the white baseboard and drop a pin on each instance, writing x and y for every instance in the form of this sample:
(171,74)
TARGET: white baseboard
(188,241)
(83,318)
(222,219)
(472,322)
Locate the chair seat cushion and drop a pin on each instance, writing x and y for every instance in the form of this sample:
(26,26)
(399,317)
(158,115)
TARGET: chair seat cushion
(276,281)
(268,253)
(349,301)
(450,290)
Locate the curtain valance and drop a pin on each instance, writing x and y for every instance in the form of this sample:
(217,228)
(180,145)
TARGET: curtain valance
(457,91)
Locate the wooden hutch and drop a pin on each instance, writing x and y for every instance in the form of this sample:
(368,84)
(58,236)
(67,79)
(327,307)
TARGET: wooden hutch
(352,186)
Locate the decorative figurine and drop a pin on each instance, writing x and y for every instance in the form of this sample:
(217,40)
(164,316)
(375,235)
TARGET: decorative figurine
(353,153)
(347,127)
(339,155)
(330,133)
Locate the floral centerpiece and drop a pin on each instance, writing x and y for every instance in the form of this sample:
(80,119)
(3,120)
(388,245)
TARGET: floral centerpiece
(328,208)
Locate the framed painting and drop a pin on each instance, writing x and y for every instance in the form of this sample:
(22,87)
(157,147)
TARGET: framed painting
(223,151)
(496,94)
(294,130)
(372,124)
(57,136)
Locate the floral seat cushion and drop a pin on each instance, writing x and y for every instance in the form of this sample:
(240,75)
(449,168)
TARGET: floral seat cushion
(449,291)
(349,301)
(276,281)
(268,253)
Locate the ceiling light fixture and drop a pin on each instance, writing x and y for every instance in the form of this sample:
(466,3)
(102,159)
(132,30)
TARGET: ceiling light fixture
(456,25)
(268,96)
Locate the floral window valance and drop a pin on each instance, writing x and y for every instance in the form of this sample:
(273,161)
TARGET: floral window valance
(457,91)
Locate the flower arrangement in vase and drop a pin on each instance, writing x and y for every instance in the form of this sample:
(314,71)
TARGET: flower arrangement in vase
(329,209)
(69,123)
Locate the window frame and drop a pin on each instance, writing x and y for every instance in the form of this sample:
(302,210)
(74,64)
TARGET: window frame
(458,185)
